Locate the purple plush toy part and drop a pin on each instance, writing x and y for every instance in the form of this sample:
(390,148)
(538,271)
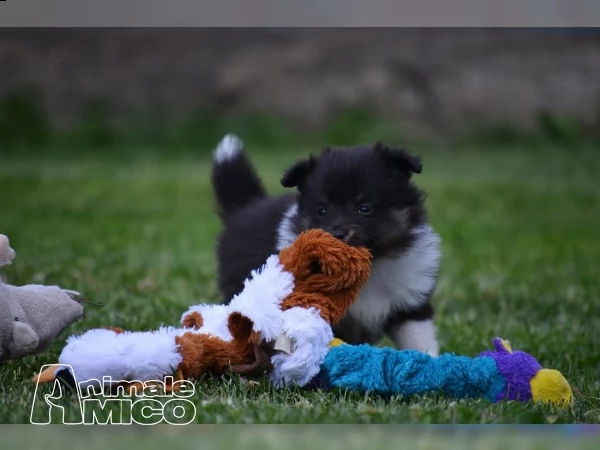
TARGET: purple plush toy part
(517,367)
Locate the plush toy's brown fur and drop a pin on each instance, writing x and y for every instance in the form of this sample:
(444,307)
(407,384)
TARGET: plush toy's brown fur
(206,354)
(328,274)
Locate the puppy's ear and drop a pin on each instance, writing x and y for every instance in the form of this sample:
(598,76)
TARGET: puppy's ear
(400,158)
(297,173)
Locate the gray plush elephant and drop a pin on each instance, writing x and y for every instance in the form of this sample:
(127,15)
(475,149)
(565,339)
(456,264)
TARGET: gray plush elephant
(32,316)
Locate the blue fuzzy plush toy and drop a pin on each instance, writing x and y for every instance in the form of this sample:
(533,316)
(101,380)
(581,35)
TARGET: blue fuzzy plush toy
(496,375)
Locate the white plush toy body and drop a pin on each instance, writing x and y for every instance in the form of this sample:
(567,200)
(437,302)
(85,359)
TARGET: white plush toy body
(151,355)
(32,316)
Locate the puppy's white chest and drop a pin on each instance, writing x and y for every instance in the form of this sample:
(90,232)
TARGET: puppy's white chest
(383,293)
(373,304)
(401,283)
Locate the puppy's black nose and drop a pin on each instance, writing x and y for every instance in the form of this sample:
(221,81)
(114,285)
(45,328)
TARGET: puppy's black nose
(341,235)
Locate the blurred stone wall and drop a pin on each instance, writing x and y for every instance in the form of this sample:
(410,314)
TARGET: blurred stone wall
(430,79)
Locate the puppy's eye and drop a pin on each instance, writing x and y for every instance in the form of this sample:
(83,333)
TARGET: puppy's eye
(365,210)
(321,211)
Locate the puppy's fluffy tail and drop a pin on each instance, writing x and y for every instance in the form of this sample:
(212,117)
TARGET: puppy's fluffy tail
(235,183)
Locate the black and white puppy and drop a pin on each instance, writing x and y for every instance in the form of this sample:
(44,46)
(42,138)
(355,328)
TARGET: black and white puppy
(363,195)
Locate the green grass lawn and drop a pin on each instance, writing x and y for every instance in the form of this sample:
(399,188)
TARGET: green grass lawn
(521,260)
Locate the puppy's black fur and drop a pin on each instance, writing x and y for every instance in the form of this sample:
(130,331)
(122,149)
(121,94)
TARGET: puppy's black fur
(363,195)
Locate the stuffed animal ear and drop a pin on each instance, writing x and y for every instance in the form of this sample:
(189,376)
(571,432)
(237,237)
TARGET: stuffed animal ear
(240,326)
(502,345)
(400,158)
(192,320)
(296,174)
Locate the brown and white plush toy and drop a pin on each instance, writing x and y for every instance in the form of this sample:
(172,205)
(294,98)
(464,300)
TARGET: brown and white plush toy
(294,331)
(280,324)
(32,316)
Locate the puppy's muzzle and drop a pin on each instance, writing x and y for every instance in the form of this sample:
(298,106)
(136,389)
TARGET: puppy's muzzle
(342,234)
